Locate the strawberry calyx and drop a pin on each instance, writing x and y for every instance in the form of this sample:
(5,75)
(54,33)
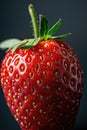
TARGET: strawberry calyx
(47,33)
(41,32)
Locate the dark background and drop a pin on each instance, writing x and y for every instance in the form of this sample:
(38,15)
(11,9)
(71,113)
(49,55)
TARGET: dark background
(15,23)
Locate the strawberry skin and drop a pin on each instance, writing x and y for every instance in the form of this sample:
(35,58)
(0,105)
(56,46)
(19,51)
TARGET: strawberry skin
(43,85)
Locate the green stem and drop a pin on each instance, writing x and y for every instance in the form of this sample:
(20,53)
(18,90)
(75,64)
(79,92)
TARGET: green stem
(34,20)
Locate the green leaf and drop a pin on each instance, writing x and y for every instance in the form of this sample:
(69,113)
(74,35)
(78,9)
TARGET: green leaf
(18,45)
(54,28)
(9,43)
(27,43)
(63,36)
(30,43)
(44,26)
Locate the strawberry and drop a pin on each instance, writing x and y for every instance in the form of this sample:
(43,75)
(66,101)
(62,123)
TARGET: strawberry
(42,79)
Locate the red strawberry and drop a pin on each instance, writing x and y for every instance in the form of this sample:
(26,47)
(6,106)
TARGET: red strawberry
(42,80)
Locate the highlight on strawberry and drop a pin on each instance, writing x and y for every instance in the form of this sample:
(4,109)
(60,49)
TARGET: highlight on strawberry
(42,78)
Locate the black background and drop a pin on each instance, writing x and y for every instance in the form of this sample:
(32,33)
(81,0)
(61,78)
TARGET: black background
(15,23)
